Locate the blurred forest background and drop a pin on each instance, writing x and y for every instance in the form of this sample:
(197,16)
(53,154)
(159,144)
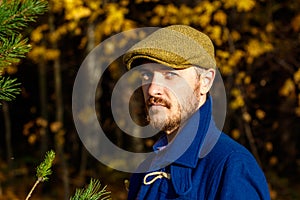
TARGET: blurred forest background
(257,46)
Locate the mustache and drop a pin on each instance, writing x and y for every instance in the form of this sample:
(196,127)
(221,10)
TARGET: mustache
(158,101)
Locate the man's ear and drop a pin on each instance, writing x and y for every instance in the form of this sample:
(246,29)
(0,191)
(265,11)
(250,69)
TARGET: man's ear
(207,79)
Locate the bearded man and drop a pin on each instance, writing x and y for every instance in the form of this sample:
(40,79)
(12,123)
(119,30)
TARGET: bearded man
(194,160)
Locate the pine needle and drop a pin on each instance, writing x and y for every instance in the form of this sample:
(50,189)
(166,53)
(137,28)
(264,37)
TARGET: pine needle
(9,88)
(92,192)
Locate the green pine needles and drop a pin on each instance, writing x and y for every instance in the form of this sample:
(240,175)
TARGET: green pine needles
(15,16)
(9,88)
(43,171)
(92,192)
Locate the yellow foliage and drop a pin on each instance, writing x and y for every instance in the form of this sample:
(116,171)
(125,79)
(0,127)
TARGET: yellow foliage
(37,53)
(260,114)
(204,20)
(204,10)
(256,48)
(41,122)
(209,7)
(297,76)
(56,6)
(9,70)
(40,52)
(297,111)
(269,146)
(155,20)
(37,34)
(270,27)
(240,5)
(115,21)
(236,134)
(222,54)
(142,1)
(72,4)
(240,76)
(288,88)
(32,139)
(94,4)
(235,35)
(52,54)
(247,80)
(247,117)
(235,57)
(220,17)
(229,61)
(55,126)
(78,13)
(296,23)
(245,5)
(171,9)
(215,33)
(159,10)
(238,100)
(273,160)
(58,33)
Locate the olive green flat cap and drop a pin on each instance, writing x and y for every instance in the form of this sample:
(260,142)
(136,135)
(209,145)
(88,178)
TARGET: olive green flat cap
(176,46)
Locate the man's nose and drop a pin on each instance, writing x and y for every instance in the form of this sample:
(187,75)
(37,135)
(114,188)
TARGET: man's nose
(156,86)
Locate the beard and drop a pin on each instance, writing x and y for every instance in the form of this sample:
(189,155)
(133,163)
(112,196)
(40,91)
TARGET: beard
(169,116)
(161,120)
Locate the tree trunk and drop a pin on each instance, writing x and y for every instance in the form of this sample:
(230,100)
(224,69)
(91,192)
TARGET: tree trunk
(42,69)
(7,126)
(59,134)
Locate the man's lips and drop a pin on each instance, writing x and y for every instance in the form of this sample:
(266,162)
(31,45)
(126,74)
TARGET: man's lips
(156,101)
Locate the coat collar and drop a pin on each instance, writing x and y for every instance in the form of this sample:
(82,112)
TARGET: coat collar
(194,141)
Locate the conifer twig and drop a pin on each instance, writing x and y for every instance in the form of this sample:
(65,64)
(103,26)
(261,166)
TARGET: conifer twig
(92,192)
(43,171)
(9,88)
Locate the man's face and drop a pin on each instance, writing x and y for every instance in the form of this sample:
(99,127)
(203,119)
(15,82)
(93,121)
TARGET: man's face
(171,96)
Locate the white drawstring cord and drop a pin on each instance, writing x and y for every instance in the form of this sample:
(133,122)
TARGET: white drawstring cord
(157,176)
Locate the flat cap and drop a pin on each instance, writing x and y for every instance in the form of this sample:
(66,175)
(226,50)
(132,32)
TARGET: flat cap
(176,46)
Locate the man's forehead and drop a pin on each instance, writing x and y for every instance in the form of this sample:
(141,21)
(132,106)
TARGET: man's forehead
(153,66)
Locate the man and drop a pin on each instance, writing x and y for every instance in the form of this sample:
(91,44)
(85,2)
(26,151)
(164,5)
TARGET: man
(193,160)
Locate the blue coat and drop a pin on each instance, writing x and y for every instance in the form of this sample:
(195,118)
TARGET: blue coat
(201,163)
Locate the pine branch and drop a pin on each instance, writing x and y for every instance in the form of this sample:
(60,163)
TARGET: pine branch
(12,50)
(9,88)
(92,192)
(43,171)
(16,14)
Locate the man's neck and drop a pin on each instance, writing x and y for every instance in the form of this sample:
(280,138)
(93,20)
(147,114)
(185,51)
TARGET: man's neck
(171,134)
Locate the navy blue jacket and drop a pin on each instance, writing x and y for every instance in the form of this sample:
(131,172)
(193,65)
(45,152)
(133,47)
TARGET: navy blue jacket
(200,163)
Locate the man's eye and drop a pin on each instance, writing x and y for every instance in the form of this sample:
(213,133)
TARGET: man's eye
(146,76)
(170,75)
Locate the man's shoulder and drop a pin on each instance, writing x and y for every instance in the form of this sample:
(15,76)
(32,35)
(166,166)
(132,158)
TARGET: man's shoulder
(228,150)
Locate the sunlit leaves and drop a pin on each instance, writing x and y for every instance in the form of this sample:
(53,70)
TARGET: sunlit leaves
(75,10)
(296,23)
(220,17)
(238,99)
(245,5)
(228,62)
(288,88)
(256,48)
(42,52)
(240,5)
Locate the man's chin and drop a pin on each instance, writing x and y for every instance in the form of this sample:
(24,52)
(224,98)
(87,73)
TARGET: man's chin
(157,108)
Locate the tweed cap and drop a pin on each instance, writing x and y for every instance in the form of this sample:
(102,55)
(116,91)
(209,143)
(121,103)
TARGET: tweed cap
(176,46)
